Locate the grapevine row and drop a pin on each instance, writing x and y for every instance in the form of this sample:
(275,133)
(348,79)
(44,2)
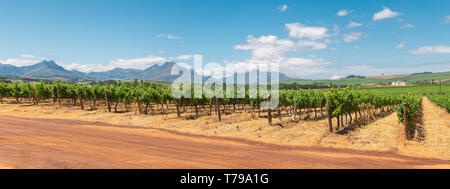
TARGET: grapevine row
(348,102)
(441,100)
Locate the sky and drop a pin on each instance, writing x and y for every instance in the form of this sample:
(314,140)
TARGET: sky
(307,39)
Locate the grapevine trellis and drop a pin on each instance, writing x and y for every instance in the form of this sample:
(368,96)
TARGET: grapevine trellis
(348,103)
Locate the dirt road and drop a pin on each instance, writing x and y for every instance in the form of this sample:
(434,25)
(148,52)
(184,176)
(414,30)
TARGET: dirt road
(47,143)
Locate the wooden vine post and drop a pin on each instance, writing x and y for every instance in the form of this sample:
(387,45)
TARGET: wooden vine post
(138,103)
(107,101)
(58,95)
(330,123)
(405,120)
(269,111)
(34,97)
(81,99)
(178,108)
(251,108)
(218,108)
(295,106)
(279,114)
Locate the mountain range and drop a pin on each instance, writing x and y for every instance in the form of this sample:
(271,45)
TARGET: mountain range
(52,71)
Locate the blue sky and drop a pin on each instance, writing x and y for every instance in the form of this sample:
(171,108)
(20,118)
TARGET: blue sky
(308,39)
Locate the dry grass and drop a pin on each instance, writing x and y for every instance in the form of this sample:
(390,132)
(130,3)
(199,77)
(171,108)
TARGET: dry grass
(383,134)
(387,76)
(437,128)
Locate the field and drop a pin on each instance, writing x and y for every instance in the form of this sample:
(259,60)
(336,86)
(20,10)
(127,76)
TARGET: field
(411,79)
(43,133)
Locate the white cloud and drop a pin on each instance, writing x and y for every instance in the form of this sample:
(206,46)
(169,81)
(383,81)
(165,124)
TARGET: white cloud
(336,77)
(270,50)
(291,66)
(139,63)
(282,8)
(385,13)
(87,67)
(185,57)
(24,60)
(353,36)
(406,26)
(356,48)
(169,36)
(344,12)
(305,45)
(132,63)
(446,20)
(438,49)
(401,45)
(298,30)
(353,25)
(268,47)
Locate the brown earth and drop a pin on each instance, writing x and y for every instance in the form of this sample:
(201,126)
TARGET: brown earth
(47,136)
(387,76)
(41,143)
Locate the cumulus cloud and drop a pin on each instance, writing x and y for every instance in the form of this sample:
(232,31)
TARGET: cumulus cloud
(336,77)
(401,45)
(385,13)
(282,8)
(168,36)
(298,30)
(353,36)
(136,63)
(438,49)
(185,57)
(267,47)
(88,67)
(343,12)
(353,25)
(139,63)
(406,26)
(270,50)
(291,66)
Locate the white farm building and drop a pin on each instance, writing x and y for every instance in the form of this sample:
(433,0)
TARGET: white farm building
(399,83)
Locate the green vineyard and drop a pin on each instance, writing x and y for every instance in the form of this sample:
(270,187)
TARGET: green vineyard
(348,103)
(441,100)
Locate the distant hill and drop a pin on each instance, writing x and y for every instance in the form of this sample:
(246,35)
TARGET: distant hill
(44,70)
(159,73)
(49,70)
(116,73)
(415,78)
(155,73)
